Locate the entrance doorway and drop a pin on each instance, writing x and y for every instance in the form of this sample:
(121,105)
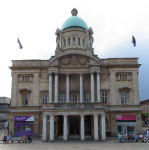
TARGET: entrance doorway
(87,121)
(60,119)
(74,125)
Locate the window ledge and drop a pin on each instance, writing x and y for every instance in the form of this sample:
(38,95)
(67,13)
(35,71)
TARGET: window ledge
(25,81)
(123,80)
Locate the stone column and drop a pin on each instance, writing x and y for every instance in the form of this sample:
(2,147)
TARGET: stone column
(88,41)
(60,42)
(81,41)
(67,87)
(92,86)
(65,128)
(95,127)
(51,128)
(76,41)
(50,87)
(98,86)
(44,129)
(103,125)
(56,87)
(81,87)
(66,41)
(71,40)
(82,128)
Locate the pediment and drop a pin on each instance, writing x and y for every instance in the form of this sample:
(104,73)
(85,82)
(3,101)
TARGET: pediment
(74,60)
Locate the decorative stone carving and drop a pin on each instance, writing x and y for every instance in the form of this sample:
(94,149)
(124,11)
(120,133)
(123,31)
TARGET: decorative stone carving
(104,77)
(74,60)
(54,63)
(44,76)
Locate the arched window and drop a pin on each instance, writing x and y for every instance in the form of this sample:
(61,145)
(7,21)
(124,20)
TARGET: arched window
(74,41)
(69,41)
(78,41)
(83,42)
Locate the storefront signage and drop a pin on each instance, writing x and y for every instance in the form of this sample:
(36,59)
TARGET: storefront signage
(24,118)
(125,117)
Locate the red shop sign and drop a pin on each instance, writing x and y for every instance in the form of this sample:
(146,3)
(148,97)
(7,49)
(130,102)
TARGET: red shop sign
(125,117)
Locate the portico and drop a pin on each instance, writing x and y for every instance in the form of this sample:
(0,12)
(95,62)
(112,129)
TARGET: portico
(66,125)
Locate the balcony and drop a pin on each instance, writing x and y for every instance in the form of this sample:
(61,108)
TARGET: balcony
(74,105)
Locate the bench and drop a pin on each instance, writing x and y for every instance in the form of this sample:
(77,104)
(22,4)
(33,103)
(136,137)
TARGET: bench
(12,140)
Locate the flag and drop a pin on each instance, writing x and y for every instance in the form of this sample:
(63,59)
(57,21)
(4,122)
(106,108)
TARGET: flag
(133,41)
(20,45)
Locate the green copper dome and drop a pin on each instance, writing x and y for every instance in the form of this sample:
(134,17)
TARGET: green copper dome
(74,22)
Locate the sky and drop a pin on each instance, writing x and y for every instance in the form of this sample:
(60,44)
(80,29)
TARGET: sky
(35,23)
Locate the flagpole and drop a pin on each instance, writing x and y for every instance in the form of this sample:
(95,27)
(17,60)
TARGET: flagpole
(17,49)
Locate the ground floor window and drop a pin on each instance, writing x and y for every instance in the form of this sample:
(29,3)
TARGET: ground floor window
(126,128)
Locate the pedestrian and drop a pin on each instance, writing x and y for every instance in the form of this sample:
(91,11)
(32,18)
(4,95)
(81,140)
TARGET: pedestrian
(128,137)
(29,138)
(23,138)
(5,138)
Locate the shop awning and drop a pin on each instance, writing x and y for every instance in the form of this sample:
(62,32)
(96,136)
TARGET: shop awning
(2,118)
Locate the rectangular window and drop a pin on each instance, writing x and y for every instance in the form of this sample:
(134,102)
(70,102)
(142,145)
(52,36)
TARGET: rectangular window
(74,41)
(74,98)
(44,98)
(123,76)
(69,41)
(86,97)
(130,129)
(124,97)
(83,42)
(104,97)
(121,129)
(78,41)
(26,127)
(25,98)
(23,78)
(63,98)
(71,79)
(74,80)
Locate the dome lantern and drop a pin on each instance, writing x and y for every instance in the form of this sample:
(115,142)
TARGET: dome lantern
(74,12)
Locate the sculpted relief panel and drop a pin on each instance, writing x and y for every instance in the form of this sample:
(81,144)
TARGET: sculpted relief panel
(104,77)
(44,76)
(74,60)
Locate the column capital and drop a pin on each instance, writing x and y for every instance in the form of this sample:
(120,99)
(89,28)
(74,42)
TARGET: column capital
(51,115)
(67,74)
(103,114)
(44,115)
(50,73)
(96,115)
(56,72)
(97,72)
(82,115)
(65,115)
(81,74)
(91,72)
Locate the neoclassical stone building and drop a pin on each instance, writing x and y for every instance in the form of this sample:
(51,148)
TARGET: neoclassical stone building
(75,93)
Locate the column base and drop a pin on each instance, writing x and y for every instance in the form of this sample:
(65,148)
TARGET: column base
(43,141)
(103,140)
(96,140)
(65,140)
(82,140)
(51,141)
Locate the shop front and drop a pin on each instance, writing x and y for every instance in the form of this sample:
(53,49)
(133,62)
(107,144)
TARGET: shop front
(24,125)
(126,124)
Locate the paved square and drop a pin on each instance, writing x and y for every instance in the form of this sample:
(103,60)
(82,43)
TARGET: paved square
(112,143)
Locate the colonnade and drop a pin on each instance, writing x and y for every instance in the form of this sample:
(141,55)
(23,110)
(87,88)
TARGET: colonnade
(67,87)
(82,131)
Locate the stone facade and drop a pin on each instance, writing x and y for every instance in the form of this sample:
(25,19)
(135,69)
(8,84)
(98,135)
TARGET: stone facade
(75,84)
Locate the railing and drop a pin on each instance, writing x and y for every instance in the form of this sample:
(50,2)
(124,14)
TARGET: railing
(88,105)
(73,105)
(58,105)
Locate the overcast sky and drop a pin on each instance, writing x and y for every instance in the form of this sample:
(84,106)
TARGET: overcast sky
(35,23)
